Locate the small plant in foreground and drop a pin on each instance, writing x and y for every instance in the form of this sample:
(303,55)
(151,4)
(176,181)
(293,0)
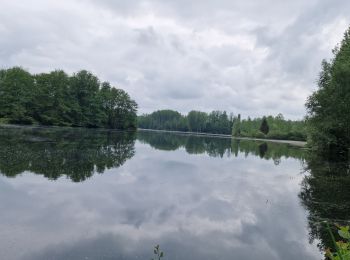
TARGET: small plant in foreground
(158,253)
(342,247)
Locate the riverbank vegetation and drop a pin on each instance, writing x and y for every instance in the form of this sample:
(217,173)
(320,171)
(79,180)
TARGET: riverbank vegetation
(216,122)
(270,127)
(58,99)
(219,122)
(329,107)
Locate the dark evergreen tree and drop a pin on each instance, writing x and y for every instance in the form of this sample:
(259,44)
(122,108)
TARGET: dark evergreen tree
(236,128)
(264,127)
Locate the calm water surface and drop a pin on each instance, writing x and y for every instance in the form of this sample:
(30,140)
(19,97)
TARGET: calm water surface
(88,194)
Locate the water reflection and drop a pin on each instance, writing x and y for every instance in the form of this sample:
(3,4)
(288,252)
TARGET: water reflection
(74,153)
(219,147)
(199,197)
(325,193)
(79,153)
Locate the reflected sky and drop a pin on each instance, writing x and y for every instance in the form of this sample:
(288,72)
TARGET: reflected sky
(196,206)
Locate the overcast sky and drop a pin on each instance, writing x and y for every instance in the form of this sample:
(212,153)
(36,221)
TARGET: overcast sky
(249,57)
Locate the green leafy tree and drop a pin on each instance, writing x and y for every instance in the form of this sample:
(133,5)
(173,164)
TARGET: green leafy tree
(51,103)
(197,121)
(84,87)
(328,107)
(58,99)
(163,120)
(16,95)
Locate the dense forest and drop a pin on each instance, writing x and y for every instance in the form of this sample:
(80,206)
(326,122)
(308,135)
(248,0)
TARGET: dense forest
(58,99)
(218,122)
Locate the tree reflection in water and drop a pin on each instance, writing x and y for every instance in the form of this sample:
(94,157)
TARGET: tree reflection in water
(219,147)
(55,152)
(325,193)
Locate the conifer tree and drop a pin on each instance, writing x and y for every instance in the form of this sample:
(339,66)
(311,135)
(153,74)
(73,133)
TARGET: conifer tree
(264,127)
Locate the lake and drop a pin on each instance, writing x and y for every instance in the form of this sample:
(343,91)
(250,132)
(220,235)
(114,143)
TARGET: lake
(94,194)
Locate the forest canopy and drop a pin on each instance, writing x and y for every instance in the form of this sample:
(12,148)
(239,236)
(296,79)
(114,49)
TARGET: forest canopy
(272,127)
(219,122)
(216,122)
(58,99)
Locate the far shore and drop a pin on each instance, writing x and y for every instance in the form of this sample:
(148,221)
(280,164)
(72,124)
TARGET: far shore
(291,142)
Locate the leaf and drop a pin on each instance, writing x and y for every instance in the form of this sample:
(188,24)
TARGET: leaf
(344,232)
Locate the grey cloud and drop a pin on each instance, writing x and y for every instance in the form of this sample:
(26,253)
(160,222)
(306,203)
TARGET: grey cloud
(241,56)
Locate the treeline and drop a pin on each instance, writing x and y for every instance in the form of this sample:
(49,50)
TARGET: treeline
(58,99)
(218,122)
(270,127)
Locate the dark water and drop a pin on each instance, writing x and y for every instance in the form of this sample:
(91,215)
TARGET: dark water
(88,194)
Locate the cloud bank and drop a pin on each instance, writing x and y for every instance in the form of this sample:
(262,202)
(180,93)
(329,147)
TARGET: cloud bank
(248,57)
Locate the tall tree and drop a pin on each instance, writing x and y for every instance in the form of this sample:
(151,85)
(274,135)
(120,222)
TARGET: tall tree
(16,95)
(328,107)
(84,87)
(236,128)
(197,121)
(51,103)
(264,127)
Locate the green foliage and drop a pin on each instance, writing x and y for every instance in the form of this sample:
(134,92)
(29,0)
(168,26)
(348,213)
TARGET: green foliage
(58,99)
(236,127)
(264,127)
(216,122)
(273,128)
(197,121)
(328,107)
(158,253)
(163,120)
(342,247)
(16,95)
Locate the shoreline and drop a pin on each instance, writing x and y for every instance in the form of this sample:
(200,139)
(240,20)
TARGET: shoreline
(300,144)
(290,142)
